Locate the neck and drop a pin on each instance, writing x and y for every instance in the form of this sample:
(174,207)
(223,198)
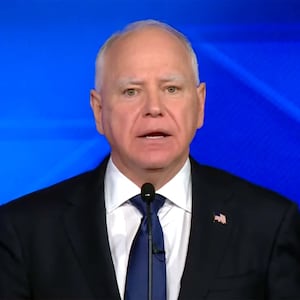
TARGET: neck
(158,176)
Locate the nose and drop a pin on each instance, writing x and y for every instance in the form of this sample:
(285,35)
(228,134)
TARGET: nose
(153,106)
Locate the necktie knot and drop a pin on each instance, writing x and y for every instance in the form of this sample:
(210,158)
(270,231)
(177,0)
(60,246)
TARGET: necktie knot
(141,205)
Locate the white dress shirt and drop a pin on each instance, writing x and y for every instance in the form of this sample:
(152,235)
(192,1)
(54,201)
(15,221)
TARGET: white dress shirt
(123,220)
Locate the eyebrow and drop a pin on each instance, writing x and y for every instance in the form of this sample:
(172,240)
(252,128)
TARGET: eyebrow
(128,81)
(135,81)
(172,78)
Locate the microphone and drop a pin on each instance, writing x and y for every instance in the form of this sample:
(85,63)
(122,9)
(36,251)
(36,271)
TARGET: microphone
(148,192)
(148,195)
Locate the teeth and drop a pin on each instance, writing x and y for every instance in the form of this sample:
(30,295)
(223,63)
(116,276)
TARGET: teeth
(154,137)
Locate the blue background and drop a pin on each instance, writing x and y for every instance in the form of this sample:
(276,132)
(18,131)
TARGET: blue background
(249,58)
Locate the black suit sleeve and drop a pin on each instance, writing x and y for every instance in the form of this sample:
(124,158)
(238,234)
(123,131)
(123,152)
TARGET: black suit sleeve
(284,268)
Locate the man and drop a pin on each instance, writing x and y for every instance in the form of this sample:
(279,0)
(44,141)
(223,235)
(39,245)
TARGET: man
(223,237)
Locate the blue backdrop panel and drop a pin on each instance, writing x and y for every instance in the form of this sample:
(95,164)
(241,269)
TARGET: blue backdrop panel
(248,54)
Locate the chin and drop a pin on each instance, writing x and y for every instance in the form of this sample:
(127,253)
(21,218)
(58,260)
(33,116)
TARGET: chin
(156,163)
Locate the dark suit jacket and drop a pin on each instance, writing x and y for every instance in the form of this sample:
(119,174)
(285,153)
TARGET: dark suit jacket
(54,245)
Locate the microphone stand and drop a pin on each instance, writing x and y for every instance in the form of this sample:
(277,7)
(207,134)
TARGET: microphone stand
(150,246)
(148,195)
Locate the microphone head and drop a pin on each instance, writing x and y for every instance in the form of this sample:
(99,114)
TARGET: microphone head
(148,192)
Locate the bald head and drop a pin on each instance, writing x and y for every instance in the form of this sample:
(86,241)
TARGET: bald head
(138,28)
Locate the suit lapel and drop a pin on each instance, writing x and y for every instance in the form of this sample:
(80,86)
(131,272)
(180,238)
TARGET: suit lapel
(208,239)
(85,223)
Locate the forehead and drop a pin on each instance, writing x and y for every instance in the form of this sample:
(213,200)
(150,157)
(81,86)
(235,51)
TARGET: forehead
(148,48)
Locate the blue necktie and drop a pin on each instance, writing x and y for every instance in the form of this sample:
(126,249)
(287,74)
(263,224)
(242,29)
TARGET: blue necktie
(137,270)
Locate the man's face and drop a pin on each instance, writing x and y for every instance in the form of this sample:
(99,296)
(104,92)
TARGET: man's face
(149,106)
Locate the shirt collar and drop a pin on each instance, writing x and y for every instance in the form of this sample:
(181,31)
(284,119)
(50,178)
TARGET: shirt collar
(118,188)
(178,190)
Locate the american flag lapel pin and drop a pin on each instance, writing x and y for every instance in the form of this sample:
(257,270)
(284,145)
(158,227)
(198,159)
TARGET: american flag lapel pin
(219,218)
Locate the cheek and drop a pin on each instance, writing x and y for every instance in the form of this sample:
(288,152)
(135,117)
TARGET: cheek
(196,115)
(190,116)
(116,122)
(108,121)
(188,120)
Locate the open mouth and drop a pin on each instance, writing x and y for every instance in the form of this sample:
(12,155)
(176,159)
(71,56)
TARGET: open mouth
(155,135)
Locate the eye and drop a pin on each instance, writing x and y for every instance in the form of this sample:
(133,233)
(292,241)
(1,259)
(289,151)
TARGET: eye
(130,92)
(172,89)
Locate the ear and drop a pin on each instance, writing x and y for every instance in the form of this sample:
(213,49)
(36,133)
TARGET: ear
(201,93)
(96,105)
